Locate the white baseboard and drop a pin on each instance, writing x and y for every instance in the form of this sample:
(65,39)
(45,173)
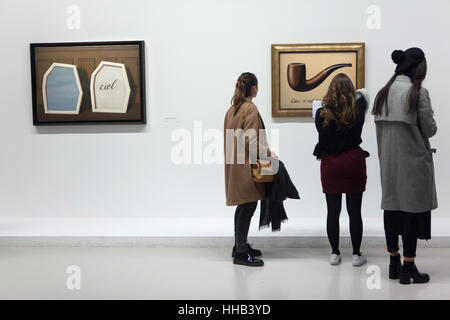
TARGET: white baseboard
(189,232)
(189,242)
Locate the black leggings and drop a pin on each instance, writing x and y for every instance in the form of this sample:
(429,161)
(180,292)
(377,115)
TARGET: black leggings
(334,204)
(409,244)
(242,217)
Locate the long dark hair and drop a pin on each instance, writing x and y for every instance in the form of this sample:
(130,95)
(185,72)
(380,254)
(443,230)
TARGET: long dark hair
(417,76)
(243,89)
(339,102)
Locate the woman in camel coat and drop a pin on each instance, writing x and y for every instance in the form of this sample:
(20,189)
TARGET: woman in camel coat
(245,142)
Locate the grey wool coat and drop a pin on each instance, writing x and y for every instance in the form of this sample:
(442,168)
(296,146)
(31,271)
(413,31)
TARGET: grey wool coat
(405,155)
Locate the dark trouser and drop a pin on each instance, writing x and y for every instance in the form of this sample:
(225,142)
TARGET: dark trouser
(334,204)
(242,217)
(409,244)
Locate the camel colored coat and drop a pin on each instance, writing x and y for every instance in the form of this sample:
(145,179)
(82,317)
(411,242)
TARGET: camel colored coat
(239,185)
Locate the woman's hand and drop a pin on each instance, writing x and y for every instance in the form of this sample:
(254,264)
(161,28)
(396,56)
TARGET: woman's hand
(273,155)
(365,95)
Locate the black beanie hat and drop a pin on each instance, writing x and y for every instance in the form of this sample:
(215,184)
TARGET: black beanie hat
(407,60)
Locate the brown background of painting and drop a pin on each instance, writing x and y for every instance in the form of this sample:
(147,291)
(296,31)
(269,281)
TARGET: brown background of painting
(87,58)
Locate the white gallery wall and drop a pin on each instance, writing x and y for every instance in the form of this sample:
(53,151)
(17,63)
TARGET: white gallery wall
(195,50)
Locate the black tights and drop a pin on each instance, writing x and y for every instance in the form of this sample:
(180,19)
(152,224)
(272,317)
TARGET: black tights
(409,244)
(334,204)
(242,217)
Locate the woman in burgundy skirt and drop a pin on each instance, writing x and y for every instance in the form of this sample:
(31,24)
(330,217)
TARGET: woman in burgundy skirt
(343,163)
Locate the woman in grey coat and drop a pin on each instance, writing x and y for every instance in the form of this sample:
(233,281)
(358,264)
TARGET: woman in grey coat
(404,123)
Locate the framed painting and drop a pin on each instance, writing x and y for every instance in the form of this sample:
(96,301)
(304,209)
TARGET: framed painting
(88,83)
(301,73)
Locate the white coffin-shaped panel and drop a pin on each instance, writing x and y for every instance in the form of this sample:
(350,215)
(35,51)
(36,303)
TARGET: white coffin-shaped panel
(61,89)
(110,89)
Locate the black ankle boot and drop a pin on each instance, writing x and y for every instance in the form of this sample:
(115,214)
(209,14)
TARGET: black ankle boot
(409,271)
(253,252)
(246,259)
(395,266)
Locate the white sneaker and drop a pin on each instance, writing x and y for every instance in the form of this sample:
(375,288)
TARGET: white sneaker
(335,259)
(359,260)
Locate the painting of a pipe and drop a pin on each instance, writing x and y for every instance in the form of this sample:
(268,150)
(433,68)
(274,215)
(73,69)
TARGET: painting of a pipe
(296,75)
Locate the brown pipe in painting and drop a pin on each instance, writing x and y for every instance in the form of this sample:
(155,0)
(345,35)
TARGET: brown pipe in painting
(296,75)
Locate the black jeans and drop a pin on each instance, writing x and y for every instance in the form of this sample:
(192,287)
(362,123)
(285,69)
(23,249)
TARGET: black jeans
(409,244)
(242,217)
(334,204)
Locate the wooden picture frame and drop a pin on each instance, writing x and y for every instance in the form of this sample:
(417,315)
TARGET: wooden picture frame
(86,57)
(301,73)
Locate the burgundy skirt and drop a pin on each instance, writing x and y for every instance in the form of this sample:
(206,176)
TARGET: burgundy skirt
(344,172)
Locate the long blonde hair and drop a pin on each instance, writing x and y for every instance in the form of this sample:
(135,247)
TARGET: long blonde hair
(243,89)
(339,103)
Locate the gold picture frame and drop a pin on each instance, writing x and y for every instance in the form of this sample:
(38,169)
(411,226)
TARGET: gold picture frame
(301,73)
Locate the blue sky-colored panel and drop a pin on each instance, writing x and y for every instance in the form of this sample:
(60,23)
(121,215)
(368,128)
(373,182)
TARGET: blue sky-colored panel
(62,90)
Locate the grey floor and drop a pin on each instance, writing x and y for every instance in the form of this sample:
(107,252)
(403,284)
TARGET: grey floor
(208,273)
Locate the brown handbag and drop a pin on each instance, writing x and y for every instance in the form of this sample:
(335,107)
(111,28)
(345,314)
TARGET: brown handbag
(262,170)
